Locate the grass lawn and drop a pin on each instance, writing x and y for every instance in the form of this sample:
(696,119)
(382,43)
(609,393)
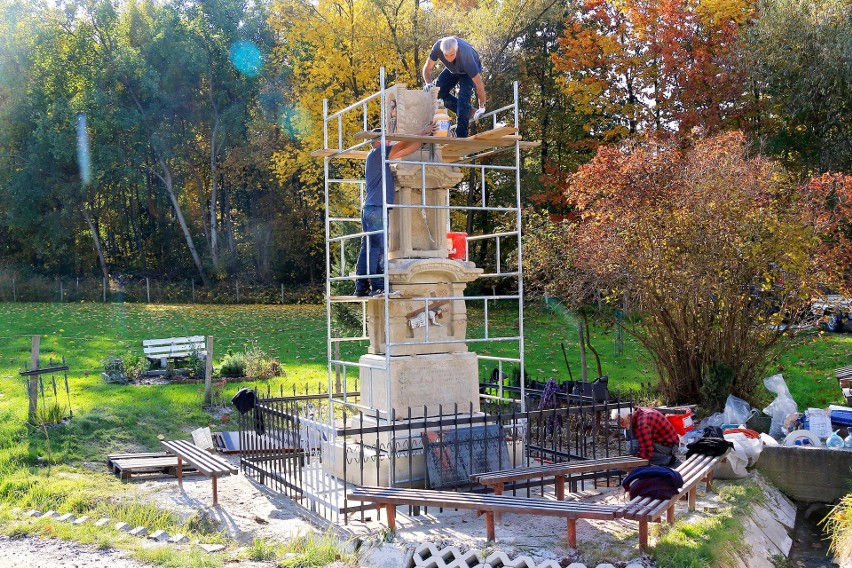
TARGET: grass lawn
(112,418)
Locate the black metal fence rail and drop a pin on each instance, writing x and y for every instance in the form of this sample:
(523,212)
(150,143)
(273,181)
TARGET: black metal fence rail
(312,448)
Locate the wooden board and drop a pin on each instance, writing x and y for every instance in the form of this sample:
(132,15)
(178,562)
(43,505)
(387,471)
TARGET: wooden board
(126,468)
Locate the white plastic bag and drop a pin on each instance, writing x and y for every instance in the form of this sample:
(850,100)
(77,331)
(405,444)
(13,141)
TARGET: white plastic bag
(735,462)
(750,447)
(737,411)
(782,406)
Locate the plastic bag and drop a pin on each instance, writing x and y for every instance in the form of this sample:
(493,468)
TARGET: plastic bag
(737,411)
(847,443)
(750,447)
(735,462)
(834,441)
(782,406)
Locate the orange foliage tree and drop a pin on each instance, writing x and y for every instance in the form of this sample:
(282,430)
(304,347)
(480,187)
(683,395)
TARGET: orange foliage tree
(654,64)
(705,245)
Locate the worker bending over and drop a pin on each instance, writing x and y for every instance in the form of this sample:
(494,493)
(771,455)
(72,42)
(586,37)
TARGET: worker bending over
(463,68)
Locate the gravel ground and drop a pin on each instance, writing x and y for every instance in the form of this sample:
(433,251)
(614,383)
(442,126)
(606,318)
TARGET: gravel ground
(33,552)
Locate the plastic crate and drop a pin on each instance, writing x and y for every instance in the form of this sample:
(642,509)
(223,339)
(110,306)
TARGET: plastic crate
(840,416)
(680,418)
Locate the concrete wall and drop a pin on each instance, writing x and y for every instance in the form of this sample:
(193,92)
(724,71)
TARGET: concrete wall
(807,475)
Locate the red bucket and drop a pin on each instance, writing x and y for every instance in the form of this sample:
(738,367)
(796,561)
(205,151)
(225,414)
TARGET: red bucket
(457,245)
(681,419)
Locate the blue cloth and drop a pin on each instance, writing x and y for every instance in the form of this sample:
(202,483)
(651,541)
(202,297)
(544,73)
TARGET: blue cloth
(373,175)
(461,105)
(372,219)
(466,61)
(661,474)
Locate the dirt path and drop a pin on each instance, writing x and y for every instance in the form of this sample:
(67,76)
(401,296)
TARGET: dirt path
(33,552)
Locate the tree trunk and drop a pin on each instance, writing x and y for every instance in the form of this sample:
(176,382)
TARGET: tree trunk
(97,240)
(167,181)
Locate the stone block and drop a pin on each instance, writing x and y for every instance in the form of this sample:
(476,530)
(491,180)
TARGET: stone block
(66,518)
(82,520)
(179,539)
(139,531)
(102,522)
(805,474)
(212,547)
(159,535)
(33,513)
(421,381)
(122,526)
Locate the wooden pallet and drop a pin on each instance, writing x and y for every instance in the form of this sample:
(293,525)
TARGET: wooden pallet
(124,466)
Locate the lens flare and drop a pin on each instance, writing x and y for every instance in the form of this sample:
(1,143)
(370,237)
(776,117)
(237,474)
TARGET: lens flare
(84,158)
(246,58)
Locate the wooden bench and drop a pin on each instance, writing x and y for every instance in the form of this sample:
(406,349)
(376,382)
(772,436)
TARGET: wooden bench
(174,348)
(646,509)
(844,379)
(497,480)
(202,460)
(391,497)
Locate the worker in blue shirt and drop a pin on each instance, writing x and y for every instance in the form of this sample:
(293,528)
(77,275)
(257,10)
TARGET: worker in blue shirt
(463,68)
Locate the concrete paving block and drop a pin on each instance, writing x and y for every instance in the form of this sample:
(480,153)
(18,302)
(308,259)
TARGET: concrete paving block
(102,522)
(50,515)
(82,520)
(67,518)
(122,526)
(179,539)
(159,535)
(139,531)
(212,547)
(576,565)
(605,565)
(33,513)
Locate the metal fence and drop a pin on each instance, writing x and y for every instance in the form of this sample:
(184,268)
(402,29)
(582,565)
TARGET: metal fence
(313,448)
(17,287)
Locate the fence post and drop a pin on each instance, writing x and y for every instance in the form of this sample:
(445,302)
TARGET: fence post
(61,290)
(193,290)
(282,292)
(148,288)
(238,291)
(32,380)
(14,291)
(336,367)
(105,290)
(208,370)
(582,351)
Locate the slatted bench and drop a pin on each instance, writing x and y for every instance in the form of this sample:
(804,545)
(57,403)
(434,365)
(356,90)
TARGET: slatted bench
(497,480)
(126,465)
(174,348)
(391,497)
(646,509)
(844,378)
(206,463)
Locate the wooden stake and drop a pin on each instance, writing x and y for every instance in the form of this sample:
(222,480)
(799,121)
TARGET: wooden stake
(32,382)
(208,374)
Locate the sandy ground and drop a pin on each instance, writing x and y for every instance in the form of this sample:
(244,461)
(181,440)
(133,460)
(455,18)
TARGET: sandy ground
(248,510)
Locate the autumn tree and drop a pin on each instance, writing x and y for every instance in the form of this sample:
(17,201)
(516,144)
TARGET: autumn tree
(642,64)
(703,244)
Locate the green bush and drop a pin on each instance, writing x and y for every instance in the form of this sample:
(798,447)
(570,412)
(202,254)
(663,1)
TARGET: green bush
(122,369)
(259,365)
(233,365)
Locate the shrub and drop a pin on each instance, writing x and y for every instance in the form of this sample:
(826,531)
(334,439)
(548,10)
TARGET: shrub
(838,526)
(233,365)
(259,365)
(122,369)
(51,413)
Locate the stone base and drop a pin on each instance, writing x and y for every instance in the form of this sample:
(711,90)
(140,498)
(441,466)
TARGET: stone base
(421,381)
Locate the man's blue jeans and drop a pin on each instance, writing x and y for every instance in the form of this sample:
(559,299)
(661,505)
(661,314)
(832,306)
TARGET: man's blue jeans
(371,220)
(461,105)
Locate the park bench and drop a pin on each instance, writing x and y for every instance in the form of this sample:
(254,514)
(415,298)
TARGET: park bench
(124,466)
(490,505)
(844,379)
(497,480)
(207,464)
(174,348)
(696,468)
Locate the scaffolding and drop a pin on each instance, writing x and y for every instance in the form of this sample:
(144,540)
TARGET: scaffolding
(490,166)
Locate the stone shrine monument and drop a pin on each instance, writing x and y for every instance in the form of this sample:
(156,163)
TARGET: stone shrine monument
(432,367)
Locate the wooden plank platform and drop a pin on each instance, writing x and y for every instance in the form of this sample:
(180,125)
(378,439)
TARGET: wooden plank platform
(124,466)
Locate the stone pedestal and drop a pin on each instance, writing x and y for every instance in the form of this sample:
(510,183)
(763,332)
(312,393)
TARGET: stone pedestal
(419,381)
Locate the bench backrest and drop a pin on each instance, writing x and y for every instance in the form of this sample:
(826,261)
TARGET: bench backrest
(174,346)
